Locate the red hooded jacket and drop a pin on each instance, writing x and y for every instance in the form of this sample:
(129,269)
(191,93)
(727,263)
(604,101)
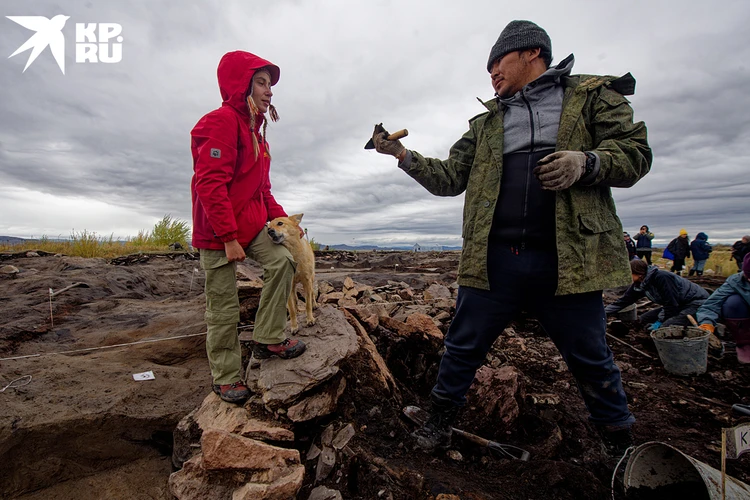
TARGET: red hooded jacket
(231,189)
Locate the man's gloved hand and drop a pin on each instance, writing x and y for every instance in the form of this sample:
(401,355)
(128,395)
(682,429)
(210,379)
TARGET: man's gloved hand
(707,327)
(383,145)
(560,170)
(610,309)
(654,326)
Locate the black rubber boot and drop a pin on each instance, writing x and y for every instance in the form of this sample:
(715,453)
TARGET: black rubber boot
(616,441)
(692,272)
(437,431)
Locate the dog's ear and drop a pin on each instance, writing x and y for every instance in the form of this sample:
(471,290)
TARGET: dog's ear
(297,218)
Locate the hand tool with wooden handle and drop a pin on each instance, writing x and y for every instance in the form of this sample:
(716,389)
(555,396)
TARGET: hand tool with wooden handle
(420,416)
(400,134)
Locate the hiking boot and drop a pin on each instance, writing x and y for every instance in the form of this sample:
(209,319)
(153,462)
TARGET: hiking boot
(616,441)
(437,431)
(236,392)
(285,350)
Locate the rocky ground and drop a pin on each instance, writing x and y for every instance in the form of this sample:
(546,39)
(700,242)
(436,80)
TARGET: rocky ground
(84,428)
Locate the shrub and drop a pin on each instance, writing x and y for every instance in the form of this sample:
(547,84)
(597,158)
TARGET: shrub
(141,241)
(84,244)
(169,231)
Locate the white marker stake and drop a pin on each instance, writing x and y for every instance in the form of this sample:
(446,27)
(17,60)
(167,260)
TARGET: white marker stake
(51,319)
(723,464)
(149,375)
(195,270)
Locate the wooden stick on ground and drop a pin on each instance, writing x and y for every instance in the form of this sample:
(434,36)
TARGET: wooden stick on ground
(632,347)
(58,292)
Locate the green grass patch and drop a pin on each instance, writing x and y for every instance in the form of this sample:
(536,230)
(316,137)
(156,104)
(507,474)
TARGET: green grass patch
(89,244)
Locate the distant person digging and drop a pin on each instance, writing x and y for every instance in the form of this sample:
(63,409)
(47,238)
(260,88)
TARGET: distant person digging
(731,303)
(677,296)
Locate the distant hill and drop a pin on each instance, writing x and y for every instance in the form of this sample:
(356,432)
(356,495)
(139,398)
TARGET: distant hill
(401,248)
(11,240)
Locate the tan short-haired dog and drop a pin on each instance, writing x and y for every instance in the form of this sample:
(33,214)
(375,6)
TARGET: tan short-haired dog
(285,231)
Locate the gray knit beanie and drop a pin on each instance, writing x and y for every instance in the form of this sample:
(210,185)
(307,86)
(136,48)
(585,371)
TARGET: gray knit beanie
(519,35)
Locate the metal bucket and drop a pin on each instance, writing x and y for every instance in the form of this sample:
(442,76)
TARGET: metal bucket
(654,465)
(682,350)
(629,313)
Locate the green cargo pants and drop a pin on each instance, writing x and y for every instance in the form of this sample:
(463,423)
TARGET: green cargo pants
(223,305)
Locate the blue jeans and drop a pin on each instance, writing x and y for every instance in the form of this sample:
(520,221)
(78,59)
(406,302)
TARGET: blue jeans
(527,280)
(734,307)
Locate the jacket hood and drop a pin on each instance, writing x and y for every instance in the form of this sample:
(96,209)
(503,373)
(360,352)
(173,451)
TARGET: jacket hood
(560,70)
(551,77)
(235,72)
(701,236)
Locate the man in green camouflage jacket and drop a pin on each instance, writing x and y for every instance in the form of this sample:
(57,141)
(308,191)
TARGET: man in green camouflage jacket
(540,228)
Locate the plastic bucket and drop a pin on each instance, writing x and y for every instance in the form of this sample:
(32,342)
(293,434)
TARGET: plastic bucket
(682,350)
(658,465)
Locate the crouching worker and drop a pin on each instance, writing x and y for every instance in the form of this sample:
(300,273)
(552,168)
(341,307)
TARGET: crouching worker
(677,296)
(232,202)
(731,303)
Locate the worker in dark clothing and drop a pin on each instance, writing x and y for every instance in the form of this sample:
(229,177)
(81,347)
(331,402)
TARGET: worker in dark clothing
(677,296)
(643,246)
(540,231)
(630,245)
(730,303)
(740,249)
(680,248)
(701,250)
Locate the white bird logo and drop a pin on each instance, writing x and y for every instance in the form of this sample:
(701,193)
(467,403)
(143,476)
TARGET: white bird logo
(48,32)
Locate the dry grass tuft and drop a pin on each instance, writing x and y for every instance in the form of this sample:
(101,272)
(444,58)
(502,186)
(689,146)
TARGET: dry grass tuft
(88,244)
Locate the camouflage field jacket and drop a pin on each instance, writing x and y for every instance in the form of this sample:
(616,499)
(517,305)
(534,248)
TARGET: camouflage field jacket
(590,247)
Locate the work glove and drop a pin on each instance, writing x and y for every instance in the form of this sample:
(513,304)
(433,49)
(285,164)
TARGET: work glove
(560,170)
(654,326)
(383,145)
(610,309)
(707,327)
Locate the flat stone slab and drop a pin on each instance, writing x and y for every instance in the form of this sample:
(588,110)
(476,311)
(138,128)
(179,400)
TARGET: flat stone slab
(331,340)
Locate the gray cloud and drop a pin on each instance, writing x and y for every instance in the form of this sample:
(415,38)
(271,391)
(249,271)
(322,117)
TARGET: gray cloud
(107,146)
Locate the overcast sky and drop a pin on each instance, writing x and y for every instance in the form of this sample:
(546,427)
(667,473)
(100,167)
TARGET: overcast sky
(106,147)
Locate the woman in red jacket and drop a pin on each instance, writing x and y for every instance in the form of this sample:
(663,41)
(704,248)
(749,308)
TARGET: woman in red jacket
(232,202)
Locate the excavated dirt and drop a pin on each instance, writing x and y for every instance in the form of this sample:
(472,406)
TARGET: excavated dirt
(83,428)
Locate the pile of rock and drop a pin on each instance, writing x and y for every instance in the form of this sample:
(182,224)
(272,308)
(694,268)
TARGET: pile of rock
(227,451)
(365,341)
(395,300)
